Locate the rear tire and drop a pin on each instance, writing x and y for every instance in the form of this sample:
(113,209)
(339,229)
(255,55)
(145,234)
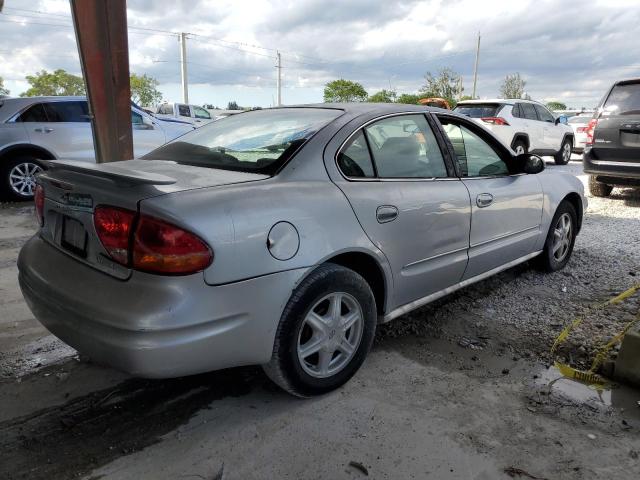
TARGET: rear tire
(325,332)
(598,189)
(563,156)
(17,178)
(519,147)
(560,239)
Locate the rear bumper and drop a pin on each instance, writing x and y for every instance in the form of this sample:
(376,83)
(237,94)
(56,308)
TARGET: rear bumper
(153,326)
(623,172)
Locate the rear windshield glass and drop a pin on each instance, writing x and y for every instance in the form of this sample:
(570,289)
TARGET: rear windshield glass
(478,110)
(623,100)
(260,141)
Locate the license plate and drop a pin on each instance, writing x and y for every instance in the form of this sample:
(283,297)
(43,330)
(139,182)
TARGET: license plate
(74,236)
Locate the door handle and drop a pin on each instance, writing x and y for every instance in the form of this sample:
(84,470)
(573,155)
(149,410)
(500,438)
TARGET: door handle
(484,200)
(386,213)
(44,130)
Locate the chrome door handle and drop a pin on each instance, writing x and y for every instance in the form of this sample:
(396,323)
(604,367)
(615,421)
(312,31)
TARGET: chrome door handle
(386,213)
(47,130)
(484,200)
(44,130)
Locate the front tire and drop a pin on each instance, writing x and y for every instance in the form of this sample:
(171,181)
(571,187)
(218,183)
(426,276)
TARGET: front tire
(564,155)
(17,178)
(560,239)
(325,332)
(598,189)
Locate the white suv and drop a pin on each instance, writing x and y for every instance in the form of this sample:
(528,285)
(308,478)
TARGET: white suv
(523,125)
(50,128)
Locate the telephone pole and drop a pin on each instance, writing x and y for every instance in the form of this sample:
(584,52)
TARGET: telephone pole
(279,79)
(183,63)
(475,68)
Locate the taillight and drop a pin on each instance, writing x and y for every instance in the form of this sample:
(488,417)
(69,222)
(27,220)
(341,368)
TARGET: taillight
(38,199)
(161,247)
(495,120)
(593,123)
(153,245)
(113,226)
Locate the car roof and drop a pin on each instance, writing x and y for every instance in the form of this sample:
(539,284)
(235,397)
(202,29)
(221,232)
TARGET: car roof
(360,108)
(506,101)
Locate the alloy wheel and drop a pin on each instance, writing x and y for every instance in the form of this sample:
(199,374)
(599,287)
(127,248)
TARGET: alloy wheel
(22,178)
(566,152)
(330,335)
(519,150)
(562,237)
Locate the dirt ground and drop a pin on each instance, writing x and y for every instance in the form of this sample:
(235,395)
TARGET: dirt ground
(461,389)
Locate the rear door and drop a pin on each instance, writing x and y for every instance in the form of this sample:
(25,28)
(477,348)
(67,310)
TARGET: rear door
(617,134)
(147,135)
(506,209)
(408,202)
(532,126)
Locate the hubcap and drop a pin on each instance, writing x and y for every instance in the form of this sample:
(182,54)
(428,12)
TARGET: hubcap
(562,237)
(330,335)
(566,153)
(22,178)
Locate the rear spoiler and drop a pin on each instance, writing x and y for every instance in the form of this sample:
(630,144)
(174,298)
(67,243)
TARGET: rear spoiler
(110,171)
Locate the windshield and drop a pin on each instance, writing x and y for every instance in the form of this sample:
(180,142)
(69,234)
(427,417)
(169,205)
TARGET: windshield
(260,141)
(623,100)
(478,110)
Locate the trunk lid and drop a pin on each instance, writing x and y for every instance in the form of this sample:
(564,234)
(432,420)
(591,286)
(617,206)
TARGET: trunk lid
(72,190)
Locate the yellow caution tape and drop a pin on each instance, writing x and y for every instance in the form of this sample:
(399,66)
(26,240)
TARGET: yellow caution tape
(591,377)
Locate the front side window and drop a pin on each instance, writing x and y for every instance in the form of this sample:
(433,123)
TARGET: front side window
(183,111)
(136,118)
(528,111)
(355,160)
(260,141)
(76,111)
(200,112)
(544,114)
(404,147)
(34,113)
(476,158)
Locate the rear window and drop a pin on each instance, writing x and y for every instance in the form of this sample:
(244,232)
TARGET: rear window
(623,100)
(260,141)
(479,110)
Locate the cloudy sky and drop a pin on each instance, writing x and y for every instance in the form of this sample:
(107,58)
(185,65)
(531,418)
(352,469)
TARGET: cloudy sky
(566,50)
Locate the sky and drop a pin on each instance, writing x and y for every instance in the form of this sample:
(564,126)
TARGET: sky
(566,50)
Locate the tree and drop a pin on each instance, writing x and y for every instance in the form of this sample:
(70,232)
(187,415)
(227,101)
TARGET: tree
(344,91)
(513,86)
(383,96)
(233,105)
(144,90)
(3,90)
(58,82)
(556,106)
(446,84)
(409,98)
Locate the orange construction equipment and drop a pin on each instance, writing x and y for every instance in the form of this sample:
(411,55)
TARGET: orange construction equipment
(435,102)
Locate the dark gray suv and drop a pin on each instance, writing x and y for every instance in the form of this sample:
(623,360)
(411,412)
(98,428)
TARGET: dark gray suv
(612,150)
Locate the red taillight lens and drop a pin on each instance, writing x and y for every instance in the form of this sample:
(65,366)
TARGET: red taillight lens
(161,247)
(113,226)
(38,199)
(593,123)
(495,120)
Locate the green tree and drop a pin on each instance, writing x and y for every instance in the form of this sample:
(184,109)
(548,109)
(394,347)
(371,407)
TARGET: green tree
(409,98)
(344,91)
(513,86)
(556,106)
(465,97)
(445,84)
(58,82)
(3,90)
(383,96)
(233,105)
(144,90)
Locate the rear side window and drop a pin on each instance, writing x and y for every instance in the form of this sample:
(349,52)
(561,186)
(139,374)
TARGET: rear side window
(200,112)
(623,100)
(515,111)
(136,118)
(405,147)
(528,111)
(183,111)
(355,160)
(544,114)
(35,113)
(67,112)
(479,110)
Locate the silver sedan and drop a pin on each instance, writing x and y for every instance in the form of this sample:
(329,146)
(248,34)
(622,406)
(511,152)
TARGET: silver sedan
(282,237)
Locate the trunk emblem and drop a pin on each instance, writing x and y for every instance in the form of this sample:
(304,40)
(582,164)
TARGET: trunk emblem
(77,200)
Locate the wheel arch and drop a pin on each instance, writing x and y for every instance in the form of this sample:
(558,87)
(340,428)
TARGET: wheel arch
(576,201)
(568,135)
(26,149)
(521,136)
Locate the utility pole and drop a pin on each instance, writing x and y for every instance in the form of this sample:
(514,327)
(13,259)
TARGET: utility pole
(279,80)
(475,68)
(183,63)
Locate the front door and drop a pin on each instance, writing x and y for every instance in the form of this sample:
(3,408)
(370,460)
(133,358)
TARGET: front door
(398,185)
(506,209)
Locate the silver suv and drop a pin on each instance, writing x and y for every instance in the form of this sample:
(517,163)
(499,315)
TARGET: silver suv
(51,128)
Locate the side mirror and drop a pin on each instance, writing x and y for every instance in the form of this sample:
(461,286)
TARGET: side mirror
(562,119)
(529,163)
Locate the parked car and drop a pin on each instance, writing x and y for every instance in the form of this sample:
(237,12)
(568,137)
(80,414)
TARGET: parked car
(190,113)
(612,152)
(49,128)
(282,237)
(579,125)
(523,125)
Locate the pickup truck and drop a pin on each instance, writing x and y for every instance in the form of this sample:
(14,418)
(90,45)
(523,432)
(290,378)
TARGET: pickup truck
(194,114)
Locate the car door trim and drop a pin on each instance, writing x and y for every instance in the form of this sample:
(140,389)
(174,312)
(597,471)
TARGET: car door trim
(434,257)
(439,294)
(506,235)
